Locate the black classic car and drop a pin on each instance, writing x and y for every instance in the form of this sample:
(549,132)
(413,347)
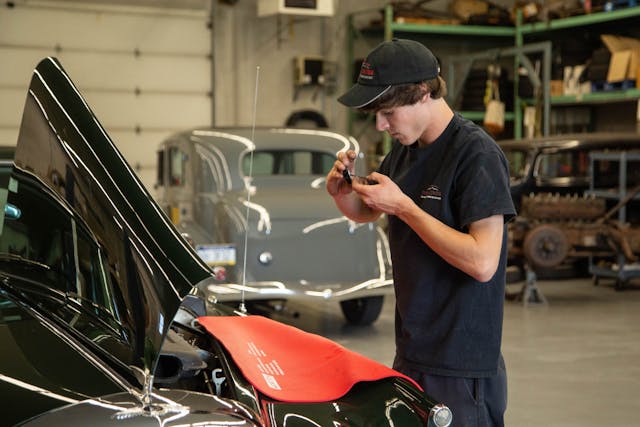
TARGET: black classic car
(105,317)
(558,164)
(561,224)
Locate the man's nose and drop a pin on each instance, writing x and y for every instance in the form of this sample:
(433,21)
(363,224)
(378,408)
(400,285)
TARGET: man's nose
(382,123)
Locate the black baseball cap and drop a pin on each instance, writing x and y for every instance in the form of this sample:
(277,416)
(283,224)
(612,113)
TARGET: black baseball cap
(391,63)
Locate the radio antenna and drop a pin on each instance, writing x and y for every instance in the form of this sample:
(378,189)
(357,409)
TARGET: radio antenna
(243,308)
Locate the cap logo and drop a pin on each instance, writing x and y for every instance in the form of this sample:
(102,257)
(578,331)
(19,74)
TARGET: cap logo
(366,72)
(392,62)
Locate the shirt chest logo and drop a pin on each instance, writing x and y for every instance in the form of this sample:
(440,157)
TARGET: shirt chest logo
(431,192)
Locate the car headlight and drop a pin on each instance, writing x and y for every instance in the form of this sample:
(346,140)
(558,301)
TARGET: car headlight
(441,415)
(265,258)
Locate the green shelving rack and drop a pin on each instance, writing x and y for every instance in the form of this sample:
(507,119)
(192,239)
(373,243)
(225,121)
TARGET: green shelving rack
(630,15)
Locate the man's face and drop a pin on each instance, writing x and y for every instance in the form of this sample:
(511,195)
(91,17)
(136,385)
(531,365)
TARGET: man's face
(404,123)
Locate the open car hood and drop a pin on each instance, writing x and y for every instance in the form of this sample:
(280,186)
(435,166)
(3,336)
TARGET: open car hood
(65,158)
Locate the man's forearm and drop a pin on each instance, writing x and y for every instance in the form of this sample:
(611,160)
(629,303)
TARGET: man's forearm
(353,208)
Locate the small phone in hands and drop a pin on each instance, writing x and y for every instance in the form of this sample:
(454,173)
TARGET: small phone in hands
(361,179)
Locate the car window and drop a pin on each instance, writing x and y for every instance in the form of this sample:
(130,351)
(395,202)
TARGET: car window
(207,181)
(40,238)
(573,163)
(176,166)
(94,284)
(288,162)
(262,164)
(160,168)
(72,262)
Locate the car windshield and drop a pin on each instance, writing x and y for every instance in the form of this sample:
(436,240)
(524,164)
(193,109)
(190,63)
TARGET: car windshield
(573,163)
(75,263)
(288,162)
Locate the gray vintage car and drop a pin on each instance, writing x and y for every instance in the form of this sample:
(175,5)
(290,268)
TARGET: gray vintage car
(257,199)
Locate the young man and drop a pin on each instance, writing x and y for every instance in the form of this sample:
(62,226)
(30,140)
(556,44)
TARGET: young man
(445,188)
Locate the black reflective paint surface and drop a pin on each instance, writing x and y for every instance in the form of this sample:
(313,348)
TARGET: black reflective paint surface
(124,246)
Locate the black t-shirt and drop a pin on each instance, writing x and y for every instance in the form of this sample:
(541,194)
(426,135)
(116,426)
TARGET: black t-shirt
(448,323)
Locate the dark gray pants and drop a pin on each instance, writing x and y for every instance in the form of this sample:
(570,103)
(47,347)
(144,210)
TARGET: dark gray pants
(475,402)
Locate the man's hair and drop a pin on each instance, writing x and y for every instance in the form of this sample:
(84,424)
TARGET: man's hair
(408,94)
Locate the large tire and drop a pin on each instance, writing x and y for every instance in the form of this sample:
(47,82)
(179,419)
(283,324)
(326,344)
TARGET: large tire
(362,311)
(545,246)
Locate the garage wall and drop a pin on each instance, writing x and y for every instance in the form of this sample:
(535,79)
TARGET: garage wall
(147,71)
(144,72)
(244,42)
(145,66)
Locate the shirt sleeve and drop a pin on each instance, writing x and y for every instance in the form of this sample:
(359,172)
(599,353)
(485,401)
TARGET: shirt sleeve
(483,188)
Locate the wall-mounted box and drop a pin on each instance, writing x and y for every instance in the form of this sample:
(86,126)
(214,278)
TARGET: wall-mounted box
(308,70)
(295,7)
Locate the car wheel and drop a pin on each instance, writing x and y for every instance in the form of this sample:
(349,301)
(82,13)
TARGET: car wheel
(362,311)
(546,246)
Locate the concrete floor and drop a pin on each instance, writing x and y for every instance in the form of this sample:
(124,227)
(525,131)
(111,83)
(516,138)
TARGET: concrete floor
(572,362)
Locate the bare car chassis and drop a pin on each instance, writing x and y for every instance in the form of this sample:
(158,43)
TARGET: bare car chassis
(553,230)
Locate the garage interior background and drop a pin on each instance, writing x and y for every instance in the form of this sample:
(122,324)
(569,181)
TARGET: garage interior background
(150,68)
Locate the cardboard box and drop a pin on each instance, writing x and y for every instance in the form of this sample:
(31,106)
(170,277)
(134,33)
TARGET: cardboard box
(625,57)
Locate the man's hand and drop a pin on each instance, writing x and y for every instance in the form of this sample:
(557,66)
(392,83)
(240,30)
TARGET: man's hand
(335,182)
(347,200)
(385,196)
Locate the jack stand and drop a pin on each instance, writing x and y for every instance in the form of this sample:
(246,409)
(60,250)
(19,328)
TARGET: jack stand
(530,294)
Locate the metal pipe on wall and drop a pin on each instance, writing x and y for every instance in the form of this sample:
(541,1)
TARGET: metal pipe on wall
(58,48)
(212,58)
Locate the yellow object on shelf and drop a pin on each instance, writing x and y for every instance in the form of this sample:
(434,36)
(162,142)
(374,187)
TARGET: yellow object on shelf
(625,57)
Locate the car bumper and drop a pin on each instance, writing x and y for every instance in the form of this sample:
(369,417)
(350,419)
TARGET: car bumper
(275,290)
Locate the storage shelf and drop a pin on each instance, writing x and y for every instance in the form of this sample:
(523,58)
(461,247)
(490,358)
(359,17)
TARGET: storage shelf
(468,30)
(479,115)
(593,97)
(580,20)
(503,31)
(617,267)
(519,33)
(597,97)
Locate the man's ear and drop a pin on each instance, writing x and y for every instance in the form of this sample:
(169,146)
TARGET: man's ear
(427,93)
